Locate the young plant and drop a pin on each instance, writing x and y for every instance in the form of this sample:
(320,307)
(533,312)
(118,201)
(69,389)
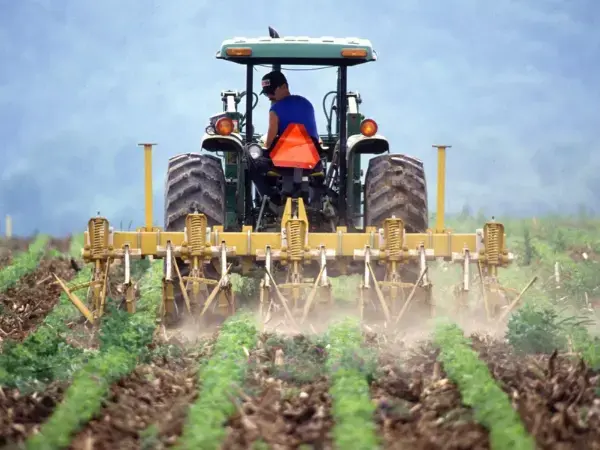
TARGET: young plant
(76,245)
(586,345)
(83,398)
(227,366)
(124,338)
(349,365)
(23,264)
(491,406)
(44,355)
(535,329)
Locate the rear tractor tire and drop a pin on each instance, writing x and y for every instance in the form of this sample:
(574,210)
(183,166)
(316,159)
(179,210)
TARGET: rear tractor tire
(194,183)
(395,185)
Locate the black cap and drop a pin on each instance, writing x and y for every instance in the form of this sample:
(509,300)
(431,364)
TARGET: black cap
(272,81)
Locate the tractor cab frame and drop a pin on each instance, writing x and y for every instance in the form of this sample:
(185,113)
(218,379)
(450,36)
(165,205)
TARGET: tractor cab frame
(233,132)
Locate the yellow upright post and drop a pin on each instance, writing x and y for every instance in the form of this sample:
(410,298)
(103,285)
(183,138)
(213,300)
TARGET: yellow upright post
(441,188)
(148,184)
(8,230)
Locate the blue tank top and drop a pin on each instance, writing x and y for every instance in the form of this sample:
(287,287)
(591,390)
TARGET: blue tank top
(295,109)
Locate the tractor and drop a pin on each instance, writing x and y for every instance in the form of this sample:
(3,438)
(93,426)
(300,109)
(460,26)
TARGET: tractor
(316,220)
(221,187)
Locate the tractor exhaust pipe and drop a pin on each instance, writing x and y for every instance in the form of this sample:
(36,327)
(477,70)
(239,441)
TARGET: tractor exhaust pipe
(273,34)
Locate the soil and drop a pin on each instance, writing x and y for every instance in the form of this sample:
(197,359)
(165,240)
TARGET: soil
(155,395)
(60,244)
(416,405)
(418,408)
(285,403)
(8,247)
(557,396)
(25,305)
(583,253)
(20,414)
(282,417)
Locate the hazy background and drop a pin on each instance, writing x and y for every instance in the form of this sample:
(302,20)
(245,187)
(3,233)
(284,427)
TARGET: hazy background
(513,86)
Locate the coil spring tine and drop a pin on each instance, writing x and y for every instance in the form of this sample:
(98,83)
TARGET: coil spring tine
(295,240)
(197,233)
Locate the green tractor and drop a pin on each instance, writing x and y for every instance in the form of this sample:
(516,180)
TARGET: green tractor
(217,181)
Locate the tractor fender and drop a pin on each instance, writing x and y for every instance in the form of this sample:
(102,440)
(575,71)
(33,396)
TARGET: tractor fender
(361,145)
(218,143)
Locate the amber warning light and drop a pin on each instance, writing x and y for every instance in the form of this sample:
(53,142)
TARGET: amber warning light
(354,53)
(368,128)
(224,126)
(238,51)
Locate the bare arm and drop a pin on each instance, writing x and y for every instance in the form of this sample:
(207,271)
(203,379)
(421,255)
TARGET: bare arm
(273,125)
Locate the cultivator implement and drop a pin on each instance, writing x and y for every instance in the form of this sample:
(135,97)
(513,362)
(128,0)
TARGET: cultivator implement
(292,209)
(305,259)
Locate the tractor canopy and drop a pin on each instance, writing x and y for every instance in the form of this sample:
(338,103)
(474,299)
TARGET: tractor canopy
(232,131)
(326,51)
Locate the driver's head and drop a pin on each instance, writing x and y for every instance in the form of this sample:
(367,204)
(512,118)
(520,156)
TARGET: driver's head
(274,85)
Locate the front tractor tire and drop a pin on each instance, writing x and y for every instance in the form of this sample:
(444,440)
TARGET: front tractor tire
(395,185)
(194,183)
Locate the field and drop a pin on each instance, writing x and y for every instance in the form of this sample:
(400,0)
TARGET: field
(530,382)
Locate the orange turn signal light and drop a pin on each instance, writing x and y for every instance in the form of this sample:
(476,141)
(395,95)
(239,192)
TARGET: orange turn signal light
(239,51)
(368,127)
(354,53)
(224,126)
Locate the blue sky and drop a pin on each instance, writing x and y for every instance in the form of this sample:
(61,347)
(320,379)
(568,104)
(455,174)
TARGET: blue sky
(512,85)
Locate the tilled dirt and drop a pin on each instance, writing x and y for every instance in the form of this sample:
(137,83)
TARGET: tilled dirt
(283,417)
(418,408)
(557,396)
(12,246)
(8,247)
(154,394)
(20,414)
(25,305)
(60,244)
(146,409)
(285,403)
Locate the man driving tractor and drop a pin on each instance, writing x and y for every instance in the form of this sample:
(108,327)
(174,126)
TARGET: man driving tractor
(285,109)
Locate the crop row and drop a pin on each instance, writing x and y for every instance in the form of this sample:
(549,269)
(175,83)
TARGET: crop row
(43,355)
(348,364)
(124,339)
(226,366)
(587,346)
(479,390)
(23,263)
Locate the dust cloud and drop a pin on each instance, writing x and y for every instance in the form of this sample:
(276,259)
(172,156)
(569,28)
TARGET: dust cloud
(416,327)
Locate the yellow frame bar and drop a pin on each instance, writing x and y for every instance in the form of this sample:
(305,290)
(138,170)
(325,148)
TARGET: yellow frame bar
(441,188)
(251,244)
(148,184)
(439,243)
